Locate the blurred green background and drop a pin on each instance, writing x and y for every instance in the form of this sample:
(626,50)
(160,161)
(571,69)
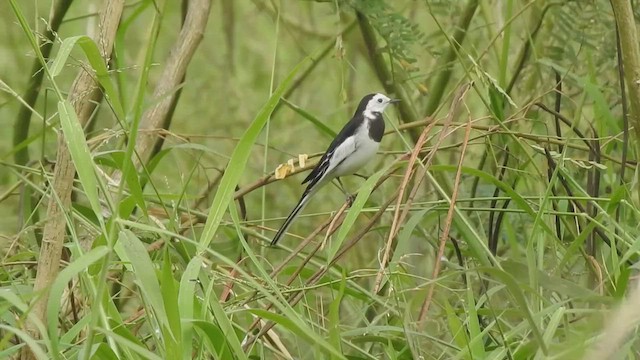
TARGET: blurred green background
(564,234)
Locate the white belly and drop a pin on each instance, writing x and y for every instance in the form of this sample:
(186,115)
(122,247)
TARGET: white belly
(365,150)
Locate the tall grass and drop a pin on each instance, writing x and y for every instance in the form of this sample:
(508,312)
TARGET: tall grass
(499,220)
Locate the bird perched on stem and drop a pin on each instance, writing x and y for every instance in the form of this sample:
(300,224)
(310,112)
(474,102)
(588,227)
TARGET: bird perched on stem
(353,147)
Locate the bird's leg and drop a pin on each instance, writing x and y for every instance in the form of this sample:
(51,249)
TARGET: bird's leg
(349,196)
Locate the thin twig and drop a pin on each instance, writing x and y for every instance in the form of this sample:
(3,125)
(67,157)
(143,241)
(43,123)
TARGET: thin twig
(395,224)
(625,118)
(296,297)
(399,219)
(447,228)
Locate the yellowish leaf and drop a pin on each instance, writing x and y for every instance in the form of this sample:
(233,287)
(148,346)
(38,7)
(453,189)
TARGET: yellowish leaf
(283,170)
(302,159)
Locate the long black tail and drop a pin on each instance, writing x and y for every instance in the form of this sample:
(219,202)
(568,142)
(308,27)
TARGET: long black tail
(294,213)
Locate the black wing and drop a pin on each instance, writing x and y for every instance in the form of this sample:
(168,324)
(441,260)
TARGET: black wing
(348,130)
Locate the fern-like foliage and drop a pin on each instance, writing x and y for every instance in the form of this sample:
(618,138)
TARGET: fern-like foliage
(581,24)
(398,31)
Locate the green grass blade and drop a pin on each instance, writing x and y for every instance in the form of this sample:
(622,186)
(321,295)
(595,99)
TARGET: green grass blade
(186,297)
(238,161)
(521,301)
(354,211)
(173,343)
(31,342)
(226,327)
(290,325)
(58,287)
(324,129)
(81,156)
(131,250)
(92,53)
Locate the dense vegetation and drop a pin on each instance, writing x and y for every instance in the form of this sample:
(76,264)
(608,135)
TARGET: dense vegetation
(139,192)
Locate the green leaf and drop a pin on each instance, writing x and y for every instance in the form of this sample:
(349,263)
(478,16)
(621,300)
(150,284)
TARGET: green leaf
(80,154)
(456,329)
(23,336)
(226,326)
(238,161)
(476,345)
(324,129)
(104,352)
(186,297)
(170,297)
(334,315)
(521,301)
(290,325)
(60,284)
(133,252)
(122,331)
(216,338)
(97,63)
(354,211)
(134,346)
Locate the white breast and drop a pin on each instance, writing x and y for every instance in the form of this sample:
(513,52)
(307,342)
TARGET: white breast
(364,149)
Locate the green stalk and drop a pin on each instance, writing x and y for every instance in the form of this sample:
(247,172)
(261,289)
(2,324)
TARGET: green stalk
(446,63)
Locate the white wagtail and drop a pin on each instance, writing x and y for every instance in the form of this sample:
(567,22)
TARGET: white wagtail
(353,147)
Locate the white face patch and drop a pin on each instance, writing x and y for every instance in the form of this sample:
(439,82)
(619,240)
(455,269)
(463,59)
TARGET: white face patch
(377,103)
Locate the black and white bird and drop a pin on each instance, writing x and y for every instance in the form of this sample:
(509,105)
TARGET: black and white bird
(353,147)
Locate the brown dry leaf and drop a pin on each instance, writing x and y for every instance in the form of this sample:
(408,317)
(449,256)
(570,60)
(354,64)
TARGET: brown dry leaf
(283,170)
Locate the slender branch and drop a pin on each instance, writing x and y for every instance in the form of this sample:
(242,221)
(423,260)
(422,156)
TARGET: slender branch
(446,63)
(625,117)
(84,96)
(447,225)
(297,296)
(166,123)
(630,50)
(181,54)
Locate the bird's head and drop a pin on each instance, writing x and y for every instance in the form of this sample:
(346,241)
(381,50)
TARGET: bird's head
(375,103)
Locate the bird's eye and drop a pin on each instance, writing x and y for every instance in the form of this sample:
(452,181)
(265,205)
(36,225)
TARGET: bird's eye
(380,101)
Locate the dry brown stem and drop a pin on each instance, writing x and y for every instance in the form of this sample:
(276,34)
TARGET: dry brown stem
(395,224)
(84,95)
(454,196)
(181,54)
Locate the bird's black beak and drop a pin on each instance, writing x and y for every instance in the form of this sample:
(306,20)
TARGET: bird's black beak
(394,101)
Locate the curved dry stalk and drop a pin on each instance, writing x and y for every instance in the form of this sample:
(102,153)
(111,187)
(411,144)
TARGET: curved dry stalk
(297,296)
(338,217)
(395,224)
(447,224)
(179,58)
(334,223)
(335,219)
(399,219)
